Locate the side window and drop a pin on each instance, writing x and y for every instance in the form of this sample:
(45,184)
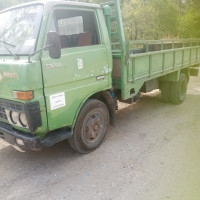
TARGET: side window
(76,28)
(70,26)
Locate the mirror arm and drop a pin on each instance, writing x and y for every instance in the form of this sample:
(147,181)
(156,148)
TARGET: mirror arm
(44,48)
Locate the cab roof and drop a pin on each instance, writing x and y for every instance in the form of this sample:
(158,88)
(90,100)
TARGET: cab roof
(49,4)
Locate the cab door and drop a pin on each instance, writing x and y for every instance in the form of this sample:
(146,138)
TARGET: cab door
(83,68)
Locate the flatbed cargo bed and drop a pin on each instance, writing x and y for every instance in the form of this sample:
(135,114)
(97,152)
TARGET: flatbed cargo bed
(139,61)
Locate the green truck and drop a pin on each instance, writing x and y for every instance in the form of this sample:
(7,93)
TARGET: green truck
(64,66)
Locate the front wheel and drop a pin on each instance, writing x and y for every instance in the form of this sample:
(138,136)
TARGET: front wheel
(91,126)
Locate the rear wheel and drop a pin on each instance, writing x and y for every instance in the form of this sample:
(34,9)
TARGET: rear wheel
(178,90)
(91,127)
(165,89)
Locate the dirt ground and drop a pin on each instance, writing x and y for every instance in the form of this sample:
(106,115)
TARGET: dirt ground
(153,153)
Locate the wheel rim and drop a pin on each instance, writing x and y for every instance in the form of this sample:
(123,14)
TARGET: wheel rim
(93,128)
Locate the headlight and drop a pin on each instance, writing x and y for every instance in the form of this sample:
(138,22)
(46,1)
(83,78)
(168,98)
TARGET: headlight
(23,120)
(16,118)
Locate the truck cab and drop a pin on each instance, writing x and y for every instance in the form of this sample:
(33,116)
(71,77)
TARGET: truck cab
(54,56)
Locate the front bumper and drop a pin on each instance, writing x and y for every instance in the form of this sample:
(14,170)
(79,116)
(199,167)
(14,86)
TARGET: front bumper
(30,141)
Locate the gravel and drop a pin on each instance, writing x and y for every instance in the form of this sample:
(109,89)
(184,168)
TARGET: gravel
(152,153)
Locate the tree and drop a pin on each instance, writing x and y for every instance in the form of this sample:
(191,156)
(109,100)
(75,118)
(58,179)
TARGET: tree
(138,17)
(189,19)
(190,24)
(152,19)
(166,18)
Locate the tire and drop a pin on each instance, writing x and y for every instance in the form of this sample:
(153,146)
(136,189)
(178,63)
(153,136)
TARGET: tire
(91,127)
(165,90)
(178,90)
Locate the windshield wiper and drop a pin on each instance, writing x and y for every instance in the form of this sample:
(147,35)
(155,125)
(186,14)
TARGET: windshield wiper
(3,43)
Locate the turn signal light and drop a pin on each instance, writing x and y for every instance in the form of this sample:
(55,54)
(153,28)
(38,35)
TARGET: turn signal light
(28,95)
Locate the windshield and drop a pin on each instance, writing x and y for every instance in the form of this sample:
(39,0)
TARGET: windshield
(19,30)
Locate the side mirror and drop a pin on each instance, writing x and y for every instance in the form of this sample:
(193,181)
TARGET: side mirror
(53,39)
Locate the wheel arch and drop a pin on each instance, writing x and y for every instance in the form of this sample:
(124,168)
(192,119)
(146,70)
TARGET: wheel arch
(103,96)
(175,76)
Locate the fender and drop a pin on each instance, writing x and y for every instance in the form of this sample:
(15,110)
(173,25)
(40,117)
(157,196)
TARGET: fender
(107,99)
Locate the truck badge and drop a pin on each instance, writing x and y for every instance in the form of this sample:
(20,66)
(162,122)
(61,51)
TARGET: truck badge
(1,77)
(53,66)
(80,63)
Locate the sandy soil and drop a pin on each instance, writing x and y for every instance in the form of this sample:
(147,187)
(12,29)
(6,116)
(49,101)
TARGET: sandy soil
(153,153)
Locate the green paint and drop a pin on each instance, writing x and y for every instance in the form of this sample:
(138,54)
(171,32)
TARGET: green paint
(83,71)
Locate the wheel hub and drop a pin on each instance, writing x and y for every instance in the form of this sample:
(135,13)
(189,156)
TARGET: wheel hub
(93,128)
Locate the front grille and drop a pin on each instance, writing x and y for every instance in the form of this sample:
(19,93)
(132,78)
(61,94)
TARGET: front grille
(3,113)
(10,105)
(31,110)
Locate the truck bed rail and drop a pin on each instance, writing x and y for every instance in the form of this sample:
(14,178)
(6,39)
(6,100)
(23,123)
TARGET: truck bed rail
(153,58)
(142,46)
